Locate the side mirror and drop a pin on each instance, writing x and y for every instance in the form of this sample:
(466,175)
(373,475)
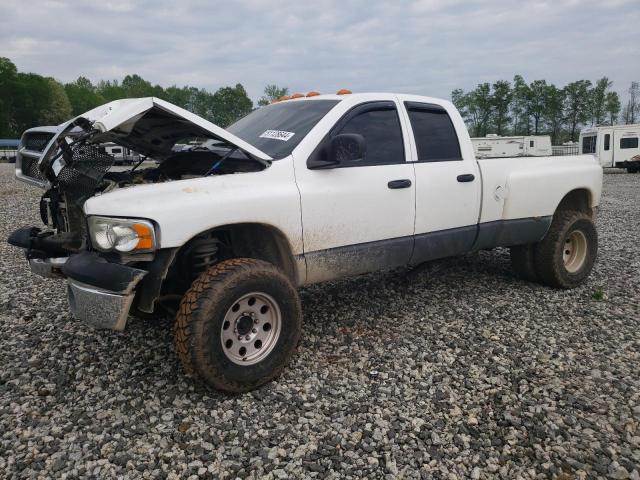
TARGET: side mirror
(343,148)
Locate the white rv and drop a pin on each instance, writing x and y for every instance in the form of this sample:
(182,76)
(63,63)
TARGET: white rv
(493,146)
(615,146)
(122,155)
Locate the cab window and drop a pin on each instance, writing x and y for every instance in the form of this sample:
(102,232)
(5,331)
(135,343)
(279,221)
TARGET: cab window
(379,125)
(435,135)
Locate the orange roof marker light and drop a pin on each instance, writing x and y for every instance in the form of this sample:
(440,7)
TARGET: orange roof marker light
(297,95)
(343,91)
(313,94)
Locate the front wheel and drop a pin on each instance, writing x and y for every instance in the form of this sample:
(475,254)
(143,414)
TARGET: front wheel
(238,325)
(565,256)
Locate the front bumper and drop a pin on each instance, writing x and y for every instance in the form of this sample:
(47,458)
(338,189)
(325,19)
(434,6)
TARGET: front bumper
(98,308)
(100,293)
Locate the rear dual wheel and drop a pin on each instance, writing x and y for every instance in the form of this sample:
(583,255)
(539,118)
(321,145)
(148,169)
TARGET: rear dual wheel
(238,325)
(565,256)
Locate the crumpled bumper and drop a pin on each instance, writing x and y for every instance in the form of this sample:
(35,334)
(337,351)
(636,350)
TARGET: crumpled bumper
(100,292)
(98,308)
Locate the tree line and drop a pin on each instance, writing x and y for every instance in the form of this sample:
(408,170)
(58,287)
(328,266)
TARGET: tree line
(28,100)
(503,108)
(539,108)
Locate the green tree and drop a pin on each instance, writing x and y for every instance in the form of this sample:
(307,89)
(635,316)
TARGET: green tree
(31,100)
(135,86)
(271,93)
(500,103)
(82,95)
(612,106)
(554,112)
(177,96)
(462,102)
(201,103)
(468,108)
(8,85)
(597,100)
(519,102)
(58,107)
(576,105)
(536,102)
(481,107)
(110,90)
(231,104)
(632,108)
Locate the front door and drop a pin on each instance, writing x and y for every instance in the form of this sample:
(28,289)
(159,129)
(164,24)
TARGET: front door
(359,216)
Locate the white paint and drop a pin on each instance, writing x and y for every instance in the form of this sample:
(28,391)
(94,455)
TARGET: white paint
(493,146)
(442,202)
(123,114)
(346,206)
(614,154)
(534,186)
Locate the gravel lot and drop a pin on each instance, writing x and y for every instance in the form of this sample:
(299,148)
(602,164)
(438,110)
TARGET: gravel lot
(462,373)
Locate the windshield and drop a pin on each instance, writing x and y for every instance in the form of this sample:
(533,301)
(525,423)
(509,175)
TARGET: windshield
(278,128)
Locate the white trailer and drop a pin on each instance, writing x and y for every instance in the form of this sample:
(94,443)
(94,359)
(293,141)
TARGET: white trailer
(122,155)
(494,146)
(615,146)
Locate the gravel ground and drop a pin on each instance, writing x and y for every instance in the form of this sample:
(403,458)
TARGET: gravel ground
(462,373)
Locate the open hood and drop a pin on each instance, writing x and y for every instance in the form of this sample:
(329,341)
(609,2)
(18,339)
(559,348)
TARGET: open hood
(151,127)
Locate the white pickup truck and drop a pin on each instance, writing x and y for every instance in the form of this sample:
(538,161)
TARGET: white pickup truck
(304,190)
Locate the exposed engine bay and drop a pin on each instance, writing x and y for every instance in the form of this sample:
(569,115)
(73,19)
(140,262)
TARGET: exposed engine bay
(198,162)
(75,161)
(85,169)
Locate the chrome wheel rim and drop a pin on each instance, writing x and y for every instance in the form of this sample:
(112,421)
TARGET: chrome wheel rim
(251,328)
(574,251)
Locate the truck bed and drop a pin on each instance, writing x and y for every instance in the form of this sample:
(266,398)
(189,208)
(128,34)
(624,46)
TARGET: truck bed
(511,187)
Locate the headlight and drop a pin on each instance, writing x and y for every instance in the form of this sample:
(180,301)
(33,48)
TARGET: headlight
(122,234)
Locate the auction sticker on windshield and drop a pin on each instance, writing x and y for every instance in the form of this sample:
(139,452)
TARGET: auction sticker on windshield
(277,135)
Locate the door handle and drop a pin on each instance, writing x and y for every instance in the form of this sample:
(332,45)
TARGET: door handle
(467,177)
(404,183)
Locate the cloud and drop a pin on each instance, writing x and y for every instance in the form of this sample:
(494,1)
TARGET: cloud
(422,46)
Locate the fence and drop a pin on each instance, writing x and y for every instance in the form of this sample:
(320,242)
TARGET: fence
(7,155)
(561,150)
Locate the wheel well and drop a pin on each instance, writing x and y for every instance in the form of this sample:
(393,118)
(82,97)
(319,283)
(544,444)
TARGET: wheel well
(243,240)
(579,199)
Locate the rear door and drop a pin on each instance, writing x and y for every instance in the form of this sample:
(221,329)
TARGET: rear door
(359,217)
(448,183)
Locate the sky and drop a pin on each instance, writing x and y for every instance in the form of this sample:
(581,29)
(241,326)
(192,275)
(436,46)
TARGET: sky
(425,47)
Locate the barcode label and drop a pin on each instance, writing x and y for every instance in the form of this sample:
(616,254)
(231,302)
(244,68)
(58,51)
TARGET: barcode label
(277,135)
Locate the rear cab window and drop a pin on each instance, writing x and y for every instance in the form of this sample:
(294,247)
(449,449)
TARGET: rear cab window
(434,133)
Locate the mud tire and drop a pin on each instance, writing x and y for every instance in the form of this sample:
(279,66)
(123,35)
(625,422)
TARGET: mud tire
(201,314)
(550,266)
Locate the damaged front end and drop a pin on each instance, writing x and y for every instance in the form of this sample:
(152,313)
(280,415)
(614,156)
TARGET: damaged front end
(113,264)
